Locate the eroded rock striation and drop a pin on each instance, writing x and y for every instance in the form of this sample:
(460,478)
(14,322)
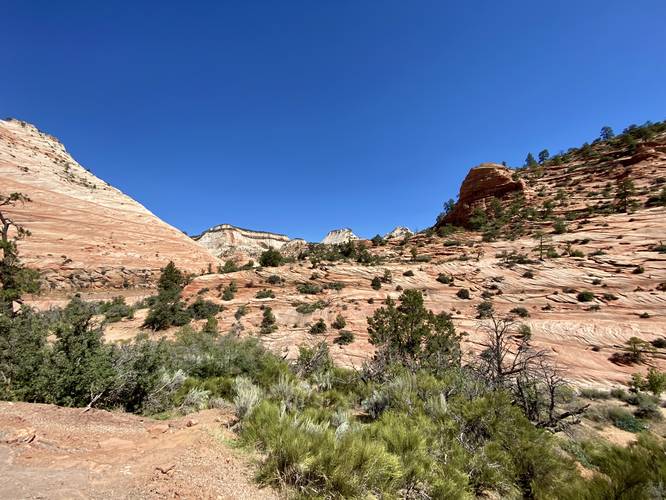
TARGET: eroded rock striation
(86,234)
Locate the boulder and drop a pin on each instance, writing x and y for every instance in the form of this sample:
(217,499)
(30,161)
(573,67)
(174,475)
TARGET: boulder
(483,182)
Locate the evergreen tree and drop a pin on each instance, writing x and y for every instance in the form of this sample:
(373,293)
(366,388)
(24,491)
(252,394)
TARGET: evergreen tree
(376,283)
(167,309)
(543,156)
(377,240)
(270,258)
(171,279)
(624,195)
(530,161)
(606,133)
(411,335)
(80,368)
(268,321)
(14,278)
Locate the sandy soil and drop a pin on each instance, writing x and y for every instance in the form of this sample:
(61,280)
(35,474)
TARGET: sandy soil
(63,453)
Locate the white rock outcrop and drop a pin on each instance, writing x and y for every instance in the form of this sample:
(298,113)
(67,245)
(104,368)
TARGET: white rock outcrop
(339,236)
(399,232)
(226,240)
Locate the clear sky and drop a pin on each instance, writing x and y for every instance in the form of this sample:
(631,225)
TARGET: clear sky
(303,116)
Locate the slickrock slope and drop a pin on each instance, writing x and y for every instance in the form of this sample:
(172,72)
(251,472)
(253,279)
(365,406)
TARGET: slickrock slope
(85,233)
(226,241)
(582,337)
(339,236)
(618,257)
(549,233)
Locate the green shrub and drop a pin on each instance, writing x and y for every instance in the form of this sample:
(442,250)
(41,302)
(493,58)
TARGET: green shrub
(345,337)
(167,308)
(336,285)
(445,279)
(240,311)
(585,296)
(559,226)
(520,311)
(229,292)
(115,310)
(265,294)
(376,283)
(202,309)
(635,471)
(308,308)
(308,288)
(229,267)
(594,394)
(408,273)
(274,279)
(318,327)
(270,258)
(484,309)
(463,293)
(339,323)
(268,321)
(624,420)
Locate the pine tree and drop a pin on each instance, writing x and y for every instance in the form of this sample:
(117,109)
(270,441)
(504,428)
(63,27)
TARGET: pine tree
(606,133)
(543,156)
(530,161)
(268,321)
(14,278)
(623,195)
(413,336)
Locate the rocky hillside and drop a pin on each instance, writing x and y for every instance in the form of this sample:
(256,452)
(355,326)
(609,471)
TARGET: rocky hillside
(573,247)
(86,234)
(227,241)
(552,245)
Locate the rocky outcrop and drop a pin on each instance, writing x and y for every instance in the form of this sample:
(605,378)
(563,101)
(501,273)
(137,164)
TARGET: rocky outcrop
(483,182)
(227,241)
(399,232)
(339,236)
(86,234)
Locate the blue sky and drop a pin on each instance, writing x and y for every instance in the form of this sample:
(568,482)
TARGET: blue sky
(303,116)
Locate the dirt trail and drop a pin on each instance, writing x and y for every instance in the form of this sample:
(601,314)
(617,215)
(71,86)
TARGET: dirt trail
(52,452)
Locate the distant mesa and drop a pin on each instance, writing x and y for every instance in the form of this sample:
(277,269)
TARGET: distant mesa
(339,236)
(227,241)
(399,232)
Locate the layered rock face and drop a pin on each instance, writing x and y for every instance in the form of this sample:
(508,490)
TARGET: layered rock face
(86,234)
(339,236)
(483,182)
(229,241)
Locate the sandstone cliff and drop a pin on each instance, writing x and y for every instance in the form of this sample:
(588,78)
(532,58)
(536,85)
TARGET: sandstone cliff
(85,233)
(483,182)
